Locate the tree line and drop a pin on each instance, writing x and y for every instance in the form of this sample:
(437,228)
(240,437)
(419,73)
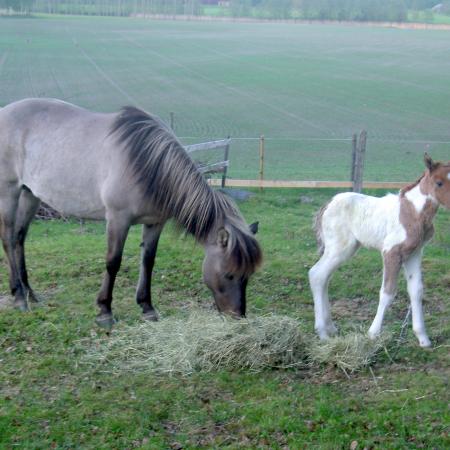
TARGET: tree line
(358,10)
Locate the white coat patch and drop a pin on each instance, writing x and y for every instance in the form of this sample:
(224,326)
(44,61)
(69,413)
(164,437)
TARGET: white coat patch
(418,199)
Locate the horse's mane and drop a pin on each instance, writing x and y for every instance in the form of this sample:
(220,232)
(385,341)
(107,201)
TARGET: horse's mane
(170,179)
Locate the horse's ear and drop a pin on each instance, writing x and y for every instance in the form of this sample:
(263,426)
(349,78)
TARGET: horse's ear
(431,165)
(254,227)
(222,237)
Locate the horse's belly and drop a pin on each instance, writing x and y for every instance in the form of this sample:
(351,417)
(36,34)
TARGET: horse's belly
(88,208)
(68,198)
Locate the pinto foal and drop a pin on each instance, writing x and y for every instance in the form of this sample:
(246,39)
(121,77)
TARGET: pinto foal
(398,226)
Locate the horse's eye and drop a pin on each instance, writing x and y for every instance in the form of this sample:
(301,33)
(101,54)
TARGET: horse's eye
(229,276)
(439,183)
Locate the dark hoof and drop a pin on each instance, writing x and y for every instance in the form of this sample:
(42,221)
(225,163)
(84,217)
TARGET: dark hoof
(151,316)
(33,298)
(105,321)
(21,305)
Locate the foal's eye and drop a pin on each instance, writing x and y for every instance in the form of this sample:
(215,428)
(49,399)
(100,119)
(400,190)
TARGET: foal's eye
(439,183)
(229,277)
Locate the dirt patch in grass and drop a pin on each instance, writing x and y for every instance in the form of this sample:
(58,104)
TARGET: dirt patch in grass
(356,308)
(6,302)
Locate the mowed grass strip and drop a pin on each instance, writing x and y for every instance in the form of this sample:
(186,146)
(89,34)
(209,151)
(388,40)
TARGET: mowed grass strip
(47,399)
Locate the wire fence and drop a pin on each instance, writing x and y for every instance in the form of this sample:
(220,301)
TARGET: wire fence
(386,160)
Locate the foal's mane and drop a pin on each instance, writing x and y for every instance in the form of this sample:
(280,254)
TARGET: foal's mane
(170,179)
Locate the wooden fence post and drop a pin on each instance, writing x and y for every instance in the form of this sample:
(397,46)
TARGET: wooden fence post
(354,149)
(261,161)
(359,162)
(225,158)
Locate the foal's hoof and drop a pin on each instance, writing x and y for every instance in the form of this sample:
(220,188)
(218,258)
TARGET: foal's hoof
(105,321)
(151,316)
(425,342)
(21,305)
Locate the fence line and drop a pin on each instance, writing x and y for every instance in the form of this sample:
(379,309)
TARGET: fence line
(307,184)
(357,151)
(314,139)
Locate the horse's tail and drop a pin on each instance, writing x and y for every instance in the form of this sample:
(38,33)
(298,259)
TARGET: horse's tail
(317,227)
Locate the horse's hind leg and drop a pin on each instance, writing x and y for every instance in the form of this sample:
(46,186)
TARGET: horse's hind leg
(28,205)
(9,201)
(117,230)
(150,238)
(319,278)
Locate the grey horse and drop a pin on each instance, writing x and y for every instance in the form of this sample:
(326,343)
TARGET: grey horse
(127,168)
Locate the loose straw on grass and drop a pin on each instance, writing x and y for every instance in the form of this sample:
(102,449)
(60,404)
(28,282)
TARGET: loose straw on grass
(206,342)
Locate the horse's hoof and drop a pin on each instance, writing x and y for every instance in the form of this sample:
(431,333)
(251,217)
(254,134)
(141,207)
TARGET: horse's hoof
(151,316)
(105,321)
(425,342)
(33,298)
(21,305)
(332,330)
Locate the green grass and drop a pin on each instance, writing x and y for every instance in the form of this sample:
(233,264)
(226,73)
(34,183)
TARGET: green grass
(426,17)
(290,82)
(49,400)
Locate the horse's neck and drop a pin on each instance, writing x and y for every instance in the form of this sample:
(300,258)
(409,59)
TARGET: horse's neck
(419,207)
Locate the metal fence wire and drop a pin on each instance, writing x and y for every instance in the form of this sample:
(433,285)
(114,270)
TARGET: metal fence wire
(327,159)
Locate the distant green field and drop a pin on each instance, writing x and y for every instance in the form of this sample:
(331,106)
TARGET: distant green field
(302,86)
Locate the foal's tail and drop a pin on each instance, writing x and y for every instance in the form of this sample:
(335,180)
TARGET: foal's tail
(317,227)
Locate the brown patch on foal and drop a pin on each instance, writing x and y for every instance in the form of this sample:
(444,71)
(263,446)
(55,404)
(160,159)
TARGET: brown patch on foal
(418,225)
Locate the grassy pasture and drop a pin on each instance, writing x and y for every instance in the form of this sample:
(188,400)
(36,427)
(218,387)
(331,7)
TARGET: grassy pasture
(293,83)
(49,400)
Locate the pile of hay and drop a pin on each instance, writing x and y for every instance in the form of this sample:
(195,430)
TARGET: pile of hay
(350,352)
(205,342)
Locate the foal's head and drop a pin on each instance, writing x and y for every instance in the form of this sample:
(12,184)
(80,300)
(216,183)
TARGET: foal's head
(231,256)
(437,180)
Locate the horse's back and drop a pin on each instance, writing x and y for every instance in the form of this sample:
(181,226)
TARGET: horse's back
(60,151)
(366,219)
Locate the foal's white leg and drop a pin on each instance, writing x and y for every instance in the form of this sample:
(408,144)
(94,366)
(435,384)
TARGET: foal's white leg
(391,268)
(413,276)
(319,277)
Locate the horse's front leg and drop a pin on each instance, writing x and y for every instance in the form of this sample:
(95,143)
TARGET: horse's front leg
(391,268)
(150,238)
(117,230)
(413,274)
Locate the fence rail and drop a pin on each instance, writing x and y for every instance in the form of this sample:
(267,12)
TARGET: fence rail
(306,184)
(207,145)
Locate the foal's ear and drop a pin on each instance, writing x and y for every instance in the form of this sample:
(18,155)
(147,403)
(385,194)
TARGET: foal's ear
(254,227)
(431,165)
(222,237)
